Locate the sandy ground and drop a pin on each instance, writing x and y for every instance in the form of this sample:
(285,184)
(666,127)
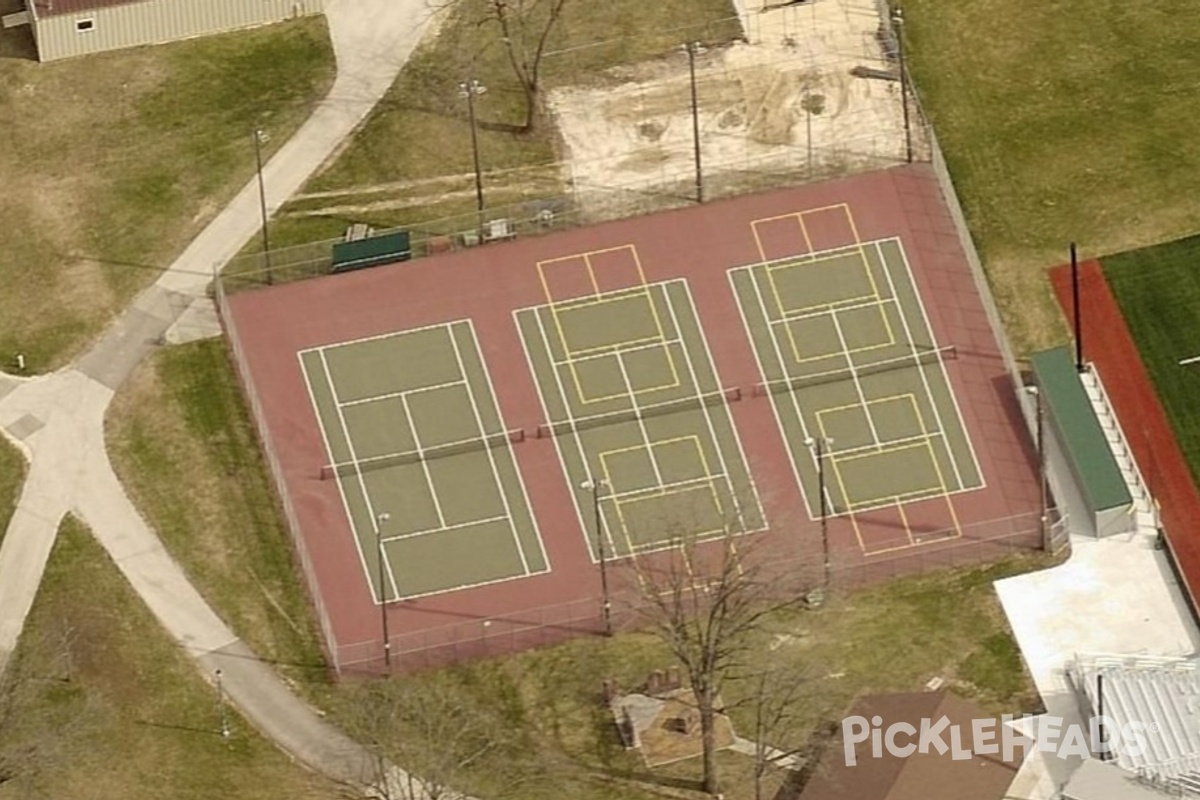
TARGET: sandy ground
(782,101)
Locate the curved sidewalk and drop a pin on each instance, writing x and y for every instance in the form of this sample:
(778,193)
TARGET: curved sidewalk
(58,419)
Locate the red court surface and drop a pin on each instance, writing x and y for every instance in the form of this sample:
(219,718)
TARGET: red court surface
(699,244)
(1109,347)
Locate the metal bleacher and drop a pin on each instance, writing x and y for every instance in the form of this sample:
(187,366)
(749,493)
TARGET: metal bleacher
(1161,693)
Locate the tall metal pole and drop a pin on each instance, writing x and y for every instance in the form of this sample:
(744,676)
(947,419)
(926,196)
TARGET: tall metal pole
(692,48)
(262,201)
(1076,310)
(594,486)
(470,89)
(818,446)
(1040,427)
(898,18)
(383,618)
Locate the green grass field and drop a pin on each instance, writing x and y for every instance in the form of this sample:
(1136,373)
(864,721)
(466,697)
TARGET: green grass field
(113,162)
(1158,289)
(890,638)
(99,703)
(181,440)
(1061,122)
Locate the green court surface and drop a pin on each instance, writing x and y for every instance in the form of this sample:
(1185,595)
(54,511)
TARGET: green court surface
(633,400)
(848,358)
(417,446)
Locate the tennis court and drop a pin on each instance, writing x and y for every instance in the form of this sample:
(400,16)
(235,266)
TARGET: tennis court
(633,402)
(423,462)
(857,382)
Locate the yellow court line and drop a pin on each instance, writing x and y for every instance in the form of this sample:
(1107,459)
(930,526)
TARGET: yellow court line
(839,351)
(837,473)
(912,446)
(945,489)
(587,262)
(617,506)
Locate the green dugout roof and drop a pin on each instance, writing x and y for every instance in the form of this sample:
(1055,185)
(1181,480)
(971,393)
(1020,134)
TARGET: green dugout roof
(1068,408)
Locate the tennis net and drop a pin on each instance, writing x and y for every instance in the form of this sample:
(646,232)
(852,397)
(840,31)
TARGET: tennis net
(349,469)
(695,402)
(930,355)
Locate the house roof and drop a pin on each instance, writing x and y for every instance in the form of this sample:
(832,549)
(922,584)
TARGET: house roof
(51,8)
(927,776)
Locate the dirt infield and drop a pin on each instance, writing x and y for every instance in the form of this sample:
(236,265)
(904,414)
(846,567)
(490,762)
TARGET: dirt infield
(1108,345)
(700,245)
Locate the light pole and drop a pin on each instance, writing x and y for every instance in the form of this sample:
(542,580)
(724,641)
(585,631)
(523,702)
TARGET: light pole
(1040,436)
(594,486)
(470,90)
(380,519)
(898,19)
(692,48)
(820,446)
(221,707)
(260,136)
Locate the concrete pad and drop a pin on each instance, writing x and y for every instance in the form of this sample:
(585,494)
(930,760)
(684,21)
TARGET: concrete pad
(1114,595)
(131,338)
(26,426)
(199,321)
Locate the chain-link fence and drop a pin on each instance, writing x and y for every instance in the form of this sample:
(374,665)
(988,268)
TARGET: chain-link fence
(787,579)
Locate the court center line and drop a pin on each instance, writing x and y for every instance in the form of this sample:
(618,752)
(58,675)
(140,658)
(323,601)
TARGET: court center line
(862,396)
(615,349)
(641,420)
(500,488)
(937,414)
(512,455)
(412,427)
(666,488)
(359,476)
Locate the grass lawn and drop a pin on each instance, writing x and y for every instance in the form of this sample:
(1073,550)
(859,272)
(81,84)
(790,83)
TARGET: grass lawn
(181,440)
(889,638)
(112,162)
(12,477)
(1153,285)
(414,153)
(1061,122)
(99,703)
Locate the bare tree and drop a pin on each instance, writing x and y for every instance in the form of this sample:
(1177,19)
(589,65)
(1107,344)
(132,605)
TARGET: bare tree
(524,28)
(780,701)
(705,600)
(437,732)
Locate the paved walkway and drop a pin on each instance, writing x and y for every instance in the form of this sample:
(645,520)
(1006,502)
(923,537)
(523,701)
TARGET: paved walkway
(58,419)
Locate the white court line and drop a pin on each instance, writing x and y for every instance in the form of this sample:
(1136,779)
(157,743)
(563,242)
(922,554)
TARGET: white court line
(402,392)
(921,367)
(423,462)
(358,473)
(575,438)
(862,397)
(512,456)
(883,446)
(792,396)
(661,344)
(712,431)
(400,537)
(391,334)
(666,488)
(641,420)
(880,303)
(512,529)
(945,373)
(362,557)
